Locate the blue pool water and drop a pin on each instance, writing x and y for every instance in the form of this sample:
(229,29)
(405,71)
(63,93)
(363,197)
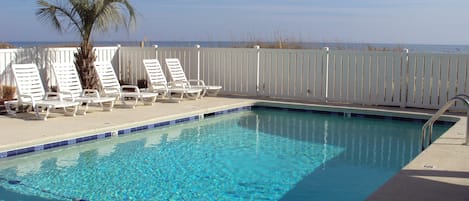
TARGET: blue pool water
(262,154)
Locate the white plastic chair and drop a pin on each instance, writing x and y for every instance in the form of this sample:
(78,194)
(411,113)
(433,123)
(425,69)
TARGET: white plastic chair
(69,83)
(110,87)
(158,83)
(179,78)
(31,92)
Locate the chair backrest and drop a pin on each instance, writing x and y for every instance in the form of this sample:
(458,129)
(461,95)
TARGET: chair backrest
(155,74)
(67,78)
(175,69)
(107,76)
(28,81)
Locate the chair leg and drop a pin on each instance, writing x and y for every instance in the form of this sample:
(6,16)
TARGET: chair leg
(150,102)
(8,108)
(70,111)
(204,91)
(38,109)
(174,99)
(82,111)
(213,92)
(193,96)
(107,106)
(129,105)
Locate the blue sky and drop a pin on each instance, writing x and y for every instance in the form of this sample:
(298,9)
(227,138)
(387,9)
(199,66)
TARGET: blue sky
(359,21)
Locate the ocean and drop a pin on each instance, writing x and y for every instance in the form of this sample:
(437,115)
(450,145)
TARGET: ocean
(463,49)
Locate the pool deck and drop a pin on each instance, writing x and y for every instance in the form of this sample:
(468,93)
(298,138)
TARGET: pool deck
(441,172)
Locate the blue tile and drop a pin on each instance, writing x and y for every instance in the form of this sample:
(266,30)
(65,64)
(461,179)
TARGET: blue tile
(182,120)
(39,148)
(72,141)
(101,136)
(11,153)
(63,143)
(209,114)
(124,131)
(3,154)
(160,124)
(25,150)
(139,128)
(50,145)
(87,138)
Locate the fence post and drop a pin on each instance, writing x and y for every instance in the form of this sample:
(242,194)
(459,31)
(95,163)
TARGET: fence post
(156,51)
(119,63)
(327,73)
(198,61)
(405,77)
(257,67)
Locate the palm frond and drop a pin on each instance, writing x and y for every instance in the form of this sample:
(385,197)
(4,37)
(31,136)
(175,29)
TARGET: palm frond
(112,13)
(58,14)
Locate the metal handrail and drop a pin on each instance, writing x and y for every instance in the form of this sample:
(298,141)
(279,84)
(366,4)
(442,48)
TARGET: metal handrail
(429,124)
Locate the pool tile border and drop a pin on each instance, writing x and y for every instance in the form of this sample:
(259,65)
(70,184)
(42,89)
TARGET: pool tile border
(99,136)
(37,148)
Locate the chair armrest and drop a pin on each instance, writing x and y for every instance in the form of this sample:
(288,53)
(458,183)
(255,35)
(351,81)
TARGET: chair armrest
(66,94)
(134,88)
(180,84)
(198,82)
(112,90)
(51,94)
(159,86)
(90,93)
(26,96)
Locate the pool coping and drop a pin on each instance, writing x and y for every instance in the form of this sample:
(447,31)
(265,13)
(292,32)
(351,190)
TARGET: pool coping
(449,144)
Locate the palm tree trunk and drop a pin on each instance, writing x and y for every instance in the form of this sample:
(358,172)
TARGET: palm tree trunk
(84,62)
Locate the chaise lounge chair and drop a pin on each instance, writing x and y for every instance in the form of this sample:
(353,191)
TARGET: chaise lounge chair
(179,78)
(159,84)
(69,83)
(31,92)
(110,87)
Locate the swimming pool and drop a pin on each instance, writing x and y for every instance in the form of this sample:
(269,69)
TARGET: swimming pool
(261,154)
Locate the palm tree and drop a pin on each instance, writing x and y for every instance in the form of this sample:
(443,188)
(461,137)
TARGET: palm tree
(86,17)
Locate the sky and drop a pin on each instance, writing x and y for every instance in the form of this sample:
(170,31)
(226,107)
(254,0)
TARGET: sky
(349,21)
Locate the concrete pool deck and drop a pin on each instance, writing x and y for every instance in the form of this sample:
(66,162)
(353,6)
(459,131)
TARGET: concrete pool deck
(441,172)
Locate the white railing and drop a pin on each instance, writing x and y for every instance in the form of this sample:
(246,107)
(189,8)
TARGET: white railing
(403,79)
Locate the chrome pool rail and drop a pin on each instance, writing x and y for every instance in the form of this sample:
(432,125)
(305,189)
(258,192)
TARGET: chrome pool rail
(429,124)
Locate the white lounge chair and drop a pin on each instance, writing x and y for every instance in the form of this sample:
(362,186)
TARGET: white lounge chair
(69,83)
(110,87)
(179,78)
(31,92)
(159,84)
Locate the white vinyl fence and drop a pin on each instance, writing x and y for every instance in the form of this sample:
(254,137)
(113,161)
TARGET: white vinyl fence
(43,58)
(420,80)
(366,77)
